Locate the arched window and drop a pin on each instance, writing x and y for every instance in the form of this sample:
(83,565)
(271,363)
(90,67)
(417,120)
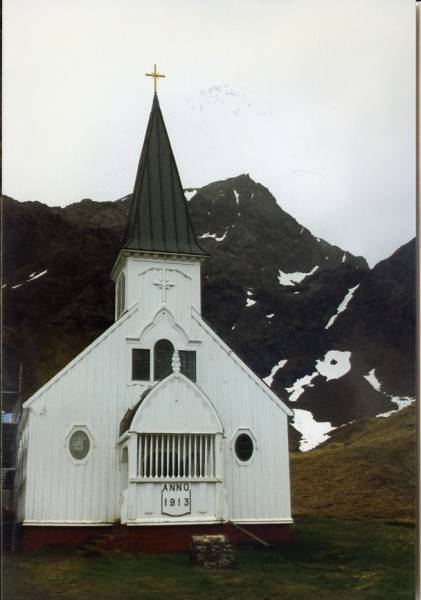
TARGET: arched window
(163,353)
(121,294)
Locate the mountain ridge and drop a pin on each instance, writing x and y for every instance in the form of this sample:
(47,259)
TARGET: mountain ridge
(268,284)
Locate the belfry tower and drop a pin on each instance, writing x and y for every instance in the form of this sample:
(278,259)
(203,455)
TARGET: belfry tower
(159,233)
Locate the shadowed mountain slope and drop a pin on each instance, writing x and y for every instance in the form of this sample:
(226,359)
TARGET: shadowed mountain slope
(270,289)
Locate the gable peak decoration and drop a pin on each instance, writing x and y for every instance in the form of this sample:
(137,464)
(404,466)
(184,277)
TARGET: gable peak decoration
(159,220)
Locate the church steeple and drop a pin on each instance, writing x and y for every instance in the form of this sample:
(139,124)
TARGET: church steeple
(159,220)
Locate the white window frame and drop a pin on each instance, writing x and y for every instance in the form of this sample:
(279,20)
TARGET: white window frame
(238,432)
(134,344)
(92,444)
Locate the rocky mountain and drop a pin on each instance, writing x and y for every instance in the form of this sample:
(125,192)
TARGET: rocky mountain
(333,338)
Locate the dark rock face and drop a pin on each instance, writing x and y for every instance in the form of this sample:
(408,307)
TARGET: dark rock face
(250,239)
(380,322)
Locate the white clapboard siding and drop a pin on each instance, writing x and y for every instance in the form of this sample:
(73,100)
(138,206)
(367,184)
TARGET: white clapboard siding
(92,392)
(95,390)
(258,490)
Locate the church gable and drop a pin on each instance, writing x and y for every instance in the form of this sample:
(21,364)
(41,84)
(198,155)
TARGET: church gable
(176,405)
(86,361)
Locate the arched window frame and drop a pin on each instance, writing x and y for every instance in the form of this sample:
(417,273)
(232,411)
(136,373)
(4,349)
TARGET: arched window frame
(188,362)
(121,295)
(156,363)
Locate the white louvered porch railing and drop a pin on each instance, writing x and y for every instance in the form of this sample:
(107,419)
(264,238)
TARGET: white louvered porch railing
(175,456)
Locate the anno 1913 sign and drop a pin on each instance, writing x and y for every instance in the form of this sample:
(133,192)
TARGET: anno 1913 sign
(176,499)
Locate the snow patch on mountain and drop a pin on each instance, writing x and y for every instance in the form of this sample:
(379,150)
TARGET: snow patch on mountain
(31,277)
(299,386)
(335,364)
(250,301)
(189,194)
(214,236)
(270,316)
(312,432)
(237,195)
(35,275)
(401,403)
(372,380)
(268,380)
(293,278)
(343,305)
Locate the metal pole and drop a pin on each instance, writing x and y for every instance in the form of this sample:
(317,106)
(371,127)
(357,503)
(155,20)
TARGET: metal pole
(18,414)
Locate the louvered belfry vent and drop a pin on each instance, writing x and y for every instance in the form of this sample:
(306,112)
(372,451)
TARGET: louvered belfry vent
(159,220)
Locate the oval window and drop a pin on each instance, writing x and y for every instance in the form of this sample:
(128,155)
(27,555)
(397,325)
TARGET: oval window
(244,447)
(79,445)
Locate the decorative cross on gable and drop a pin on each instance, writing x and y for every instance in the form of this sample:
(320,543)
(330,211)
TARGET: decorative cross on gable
(164,284)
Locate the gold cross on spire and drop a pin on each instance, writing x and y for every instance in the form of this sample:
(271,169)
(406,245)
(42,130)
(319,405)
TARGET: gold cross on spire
(155,76)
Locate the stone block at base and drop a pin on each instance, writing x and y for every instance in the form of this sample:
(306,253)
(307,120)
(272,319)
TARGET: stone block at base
(211,551)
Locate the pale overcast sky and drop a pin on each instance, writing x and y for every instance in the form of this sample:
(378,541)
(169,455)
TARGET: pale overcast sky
(315,99)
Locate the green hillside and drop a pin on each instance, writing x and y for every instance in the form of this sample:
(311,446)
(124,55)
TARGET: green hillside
(367,469)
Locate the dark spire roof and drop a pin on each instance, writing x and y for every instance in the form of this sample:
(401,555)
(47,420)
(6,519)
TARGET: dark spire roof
(159,220)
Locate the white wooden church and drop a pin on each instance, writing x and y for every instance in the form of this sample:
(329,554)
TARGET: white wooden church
(157,423)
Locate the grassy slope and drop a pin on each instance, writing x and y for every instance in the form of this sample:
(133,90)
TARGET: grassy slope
(327,558)
(367,469)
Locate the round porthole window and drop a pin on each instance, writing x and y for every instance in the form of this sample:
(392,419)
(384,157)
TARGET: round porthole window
(244,447)
(79,444)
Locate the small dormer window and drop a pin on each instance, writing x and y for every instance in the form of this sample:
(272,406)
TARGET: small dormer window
(121,295)
(163,353)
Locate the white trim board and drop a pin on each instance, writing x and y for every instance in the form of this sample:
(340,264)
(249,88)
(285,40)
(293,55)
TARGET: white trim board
(82,354)
(241,364)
